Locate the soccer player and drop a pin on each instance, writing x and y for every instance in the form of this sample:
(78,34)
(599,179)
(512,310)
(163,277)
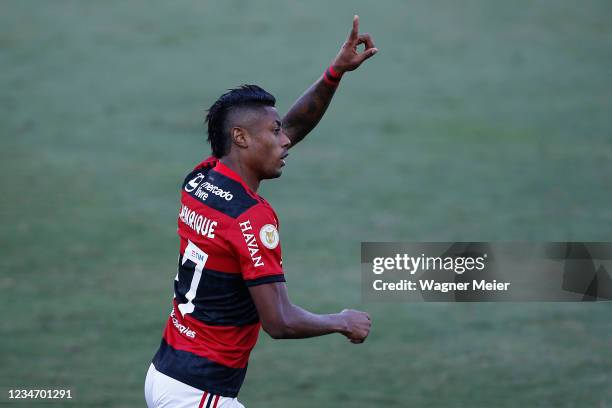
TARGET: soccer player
(230,279)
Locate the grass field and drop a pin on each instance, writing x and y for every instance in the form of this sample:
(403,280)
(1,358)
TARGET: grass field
(478,120)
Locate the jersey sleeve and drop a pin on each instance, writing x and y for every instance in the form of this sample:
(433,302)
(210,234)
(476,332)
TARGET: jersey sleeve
(257,243)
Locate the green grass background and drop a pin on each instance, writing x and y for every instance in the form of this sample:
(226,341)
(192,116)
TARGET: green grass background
(478,120)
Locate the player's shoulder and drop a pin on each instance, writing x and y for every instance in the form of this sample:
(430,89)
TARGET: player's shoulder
(262,211)
(261,222)
(213,185)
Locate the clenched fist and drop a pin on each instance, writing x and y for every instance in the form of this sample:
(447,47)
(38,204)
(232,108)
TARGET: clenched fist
(357,325)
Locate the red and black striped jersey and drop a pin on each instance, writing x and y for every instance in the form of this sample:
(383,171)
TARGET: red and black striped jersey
(228,241)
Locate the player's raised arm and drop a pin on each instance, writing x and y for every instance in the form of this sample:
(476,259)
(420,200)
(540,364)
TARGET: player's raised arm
(308,110)
(283,320)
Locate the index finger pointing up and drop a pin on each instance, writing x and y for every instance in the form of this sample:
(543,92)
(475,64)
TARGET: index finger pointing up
(355,31)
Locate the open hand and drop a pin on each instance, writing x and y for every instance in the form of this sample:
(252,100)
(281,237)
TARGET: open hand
(348,59)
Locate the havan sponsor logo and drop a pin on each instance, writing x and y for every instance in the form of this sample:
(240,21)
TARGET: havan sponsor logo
(251,242)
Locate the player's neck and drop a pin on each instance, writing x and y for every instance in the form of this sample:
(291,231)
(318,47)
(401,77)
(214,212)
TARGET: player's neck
(248,176)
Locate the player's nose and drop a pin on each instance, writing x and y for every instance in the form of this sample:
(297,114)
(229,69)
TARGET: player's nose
(285,141)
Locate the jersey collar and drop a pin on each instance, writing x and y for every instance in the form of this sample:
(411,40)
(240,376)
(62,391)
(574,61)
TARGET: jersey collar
(226,171)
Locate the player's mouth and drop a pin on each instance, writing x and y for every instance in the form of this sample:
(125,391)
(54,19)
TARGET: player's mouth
(283,157)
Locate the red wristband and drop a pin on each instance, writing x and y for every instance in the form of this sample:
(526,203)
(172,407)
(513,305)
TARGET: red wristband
(331,76)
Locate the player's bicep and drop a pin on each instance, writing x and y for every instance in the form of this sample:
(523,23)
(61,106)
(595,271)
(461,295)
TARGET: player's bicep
(272,303)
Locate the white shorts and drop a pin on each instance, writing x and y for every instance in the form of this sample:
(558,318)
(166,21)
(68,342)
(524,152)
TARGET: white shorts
(162,391)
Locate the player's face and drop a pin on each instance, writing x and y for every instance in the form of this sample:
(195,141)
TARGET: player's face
(268,144)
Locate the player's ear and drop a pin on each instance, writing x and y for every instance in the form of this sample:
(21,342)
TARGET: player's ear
(239,137)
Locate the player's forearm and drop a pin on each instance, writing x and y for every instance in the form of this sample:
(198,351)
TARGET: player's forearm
(298,323)
(308,110)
